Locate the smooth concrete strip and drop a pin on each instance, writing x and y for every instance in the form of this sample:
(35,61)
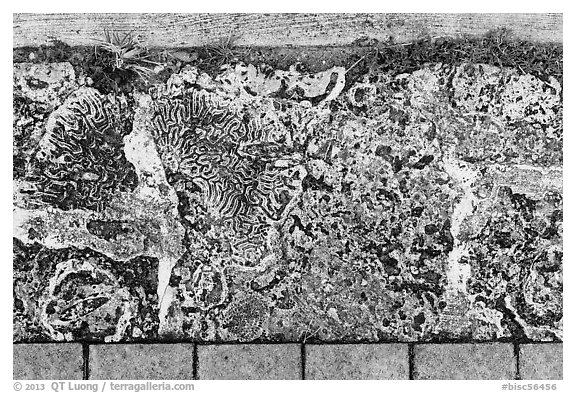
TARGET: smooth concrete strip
(276,30)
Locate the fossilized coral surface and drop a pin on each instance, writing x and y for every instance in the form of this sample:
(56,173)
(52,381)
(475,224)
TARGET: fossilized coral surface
(276,206)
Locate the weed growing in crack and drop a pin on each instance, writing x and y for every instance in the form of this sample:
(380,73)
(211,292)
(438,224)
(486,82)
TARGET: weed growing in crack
(223,51)
(128,54)
(498,47)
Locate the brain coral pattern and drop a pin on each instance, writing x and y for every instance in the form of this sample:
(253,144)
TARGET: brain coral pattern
(233,162)
(80,162)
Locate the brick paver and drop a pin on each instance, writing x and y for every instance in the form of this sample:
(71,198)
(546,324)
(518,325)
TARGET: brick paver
(357,361)
(142,361)
(48,361)
(249,361)
(283,361)
(541,361)
(464,361)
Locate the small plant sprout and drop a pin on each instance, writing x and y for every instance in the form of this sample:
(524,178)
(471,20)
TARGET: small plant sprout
(128,53)
(223,51)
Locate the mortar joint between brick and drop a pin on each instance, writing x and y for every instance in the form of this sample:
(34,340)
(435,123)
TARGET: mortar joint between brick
(85,361)
(410,361)
(195,361)
(303,360)
(517,359)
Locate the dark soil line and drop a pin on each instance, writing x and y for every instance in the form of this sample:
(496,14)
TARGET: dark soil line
(498,48)
(308,342)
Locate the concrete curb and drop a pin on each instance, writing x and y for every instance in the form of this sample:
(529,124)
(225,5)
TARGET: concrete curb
(161,30)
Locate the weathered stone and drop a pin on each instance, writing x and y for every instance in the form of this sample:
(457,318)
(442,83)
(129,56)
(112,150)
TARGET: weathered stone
(278,206)
(142,361)
(541,361)
(48,361)
(357,361)
(464,361)
(73,294)
(246,361)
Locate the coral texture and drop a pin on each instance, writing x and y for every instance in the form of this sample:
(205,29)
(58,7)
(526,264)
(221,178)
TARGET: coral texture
(280,206)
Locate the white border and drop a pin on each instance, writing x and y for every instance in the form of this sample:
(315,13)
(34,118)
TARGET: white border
(304,6)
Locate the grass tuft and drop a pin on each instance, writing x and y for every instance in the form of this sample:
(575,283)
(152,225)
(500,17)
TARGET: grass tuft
(498,47)
(128,54)
(223,51)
